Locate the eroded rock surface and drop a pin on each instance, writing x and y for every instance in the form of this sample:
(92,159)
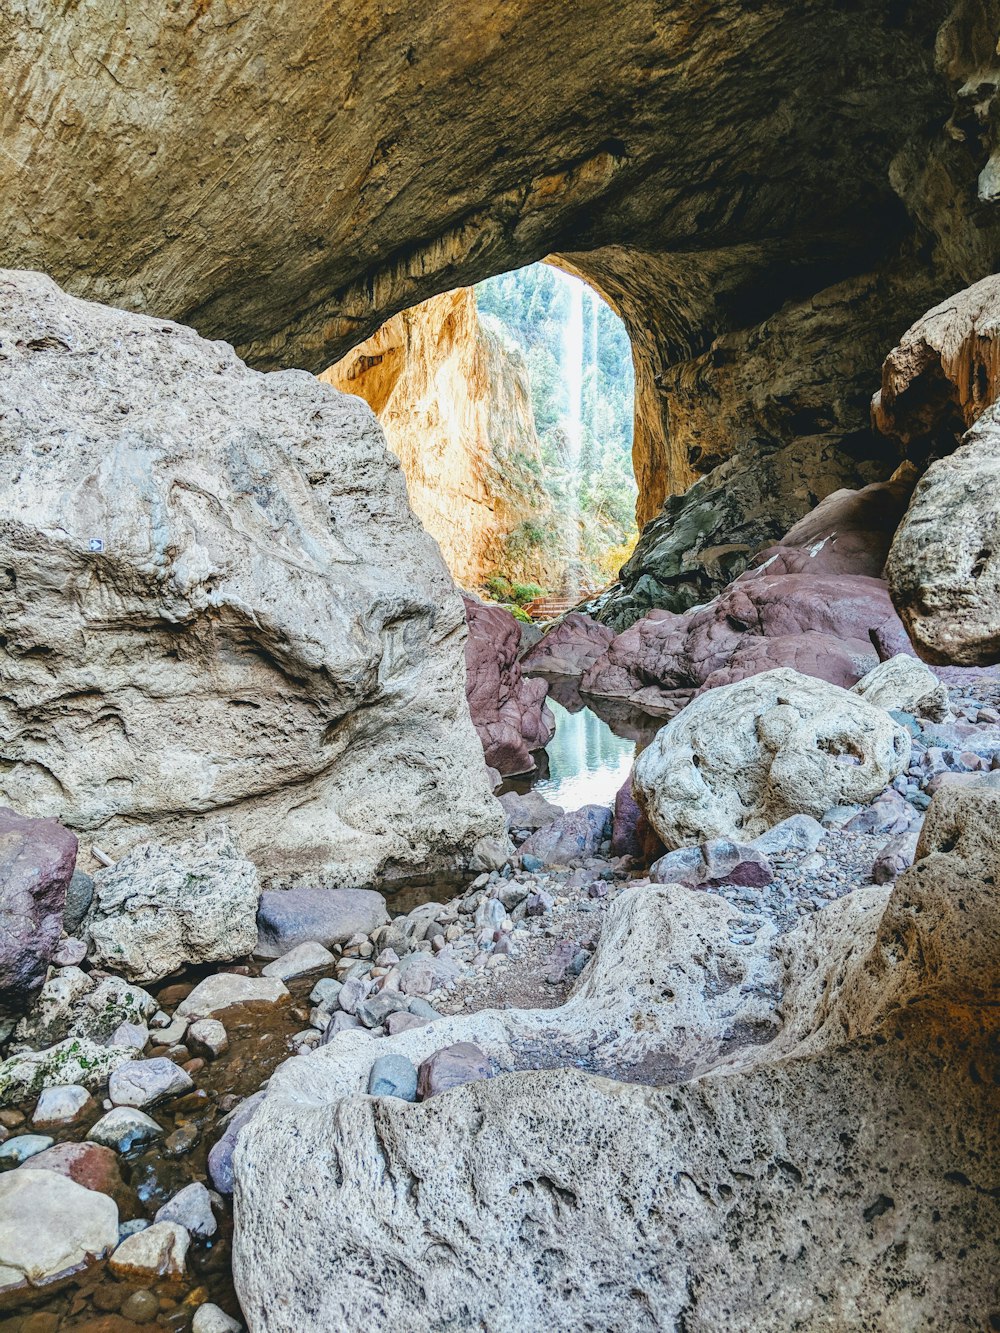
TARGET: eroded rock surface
(507,707)
(218,604)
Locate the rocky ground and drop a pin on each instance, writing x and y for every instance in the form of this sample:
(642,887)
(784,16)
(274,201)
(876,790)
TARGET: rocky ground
(129,1096)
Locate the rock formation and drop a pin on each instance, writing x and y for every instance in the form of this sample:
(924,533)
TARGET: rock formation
(823,1173)
(217,605)
(453,398)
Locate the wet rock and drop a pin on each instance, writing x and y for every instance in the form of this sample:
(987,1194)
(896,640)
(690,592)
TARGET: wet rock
(62,1105)
(122,1128)
(209,1318)
(222,991)
(158,1251)
(75,1060)
(393,1076)
(50,1229)
(141,1307)
(736,763)
(307,957)
(530,811)
(207,1037)
(571,838)
(92,1165)
(191,1208)
(162,907)
(141,1083)
(450,1067)
(22,1148)
(713,863)
(37,857)
(569,647)
(290,917)
(508,709)
(903,684)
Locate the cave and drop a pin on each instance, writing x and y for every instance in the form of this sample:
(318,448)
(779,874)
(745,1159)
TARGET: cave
(430,894)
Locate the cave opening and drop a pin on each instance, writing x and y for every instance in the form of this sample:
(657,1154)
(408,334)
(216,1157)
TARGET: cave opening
(510,406)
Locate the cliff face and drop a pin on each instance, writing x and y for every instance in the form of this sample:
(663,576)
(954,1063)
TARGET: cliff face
(453,398)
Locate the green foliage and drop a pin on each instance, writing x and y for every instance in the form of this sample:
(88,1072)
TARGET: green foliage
(502,589)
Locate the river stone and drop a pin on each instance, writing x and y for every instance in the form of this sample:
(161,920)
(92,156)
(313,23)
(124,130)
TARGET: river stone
(529,810)
(393,1076)
(290,917)
(93,1165)
(22,1148)
(904,684)
(307,957)
(209,1318)
(713,863)
(141,1083)
(62,1105)
(191,1208)
(281,643)
(157,1251)
(160,908)
(123,1127)
(50,1229)
(75,1060)
(449,1068)
(797,833)
(742,758)
(571,838)
(208,1038)
(222,991)
(37,857)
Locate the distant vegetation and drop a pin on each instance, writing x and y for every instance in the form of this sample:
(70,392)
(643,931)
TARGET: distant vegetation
(594,497)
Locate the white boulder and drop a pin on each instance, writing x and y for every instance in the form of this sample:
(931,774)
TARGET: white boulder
(906,684)
(742,758)
(50,1229)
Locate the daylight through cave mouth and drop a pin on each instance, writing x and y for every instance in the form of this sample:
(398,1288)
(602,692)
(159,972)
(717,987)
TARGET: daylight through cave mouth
(510,406)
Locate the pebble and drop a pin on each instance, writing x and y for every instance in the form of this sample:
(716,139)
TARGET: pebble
(24,1146)
(208,1038)
(62,1105)
(123,1128)
(142,1307)
(158,1251)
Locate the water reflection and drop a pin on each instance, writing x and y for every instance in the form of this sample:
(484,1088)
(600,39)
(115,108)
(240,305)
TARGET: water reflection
(591,753)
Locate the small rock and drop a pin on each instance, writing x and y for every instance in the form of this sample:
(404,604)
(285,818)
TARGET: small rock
(403,1022)
(62,1105)
(146,1082)
(539,904)
(69,952)
(20,1149)
(353,991)
(225,989)
(393,1076)
(142,1307)
(191,1208)
(123,1128)
(306,957)
(130,1036)
(158,1251)
(180,1141)
(450,1067)
(208,1038)
(209,1318)
(325,992)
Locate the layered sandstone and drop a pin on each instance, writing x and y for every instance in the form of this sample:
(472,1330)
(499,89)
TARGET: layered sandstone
(453,397)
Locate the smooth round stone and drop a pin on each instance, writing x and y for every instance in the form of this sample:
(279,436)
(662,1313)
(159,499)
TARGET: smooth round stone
(158,1251)
(61,1105)
(123,1128)
(19,1149)
(142,1307)
(145,1082)
(208,1038)
(393,1076)
(209,1318)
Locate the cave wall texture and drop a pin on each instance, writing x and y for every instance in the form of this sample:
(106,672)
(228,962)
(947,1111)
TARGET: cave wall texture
(769,191)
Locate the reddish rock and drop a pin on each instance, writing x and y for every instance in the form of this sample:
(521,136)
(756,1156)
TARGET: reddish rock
(570,647)
(37,858)
(649,653)
(713,863)
(631,832)
(839,661)
(508,708)
(449,1068)
(571,838)
(92,1166)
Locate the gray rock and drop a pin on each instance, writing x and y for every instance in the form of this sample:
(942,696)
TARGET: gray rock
(220,1157)
(22,1147)
(75,1060)
(393,1076)
(798,833)
(404,1022)
(529,811)
(122,1128)
(208,1038)
(78,899)
(225,989)
(50,1227)
(897,855)
(325,992)
(450,1067)
(74,1003)
(209,1318)
(191,1208)
(374,1010)
(37,857)
(307,957)
(156,1251)
(145,1082)
(130,1036)
(717,862)
(571,838)
(61,1105)
(340,1022)
(290,917)
(490,915)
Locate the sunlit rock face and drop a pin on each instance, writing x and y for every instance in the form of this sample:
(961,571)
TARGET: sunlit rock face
(292,177)
(453,397)
(218,607)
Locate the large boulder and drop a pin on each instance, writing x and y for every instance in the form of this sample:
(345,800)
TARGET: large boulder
(74,1003)
(744,757)
(51,1230)
(904,684)
(287,918)
(37,857)
(817,1170)
(569,647)
(161,908)
(218,605)
(508,708)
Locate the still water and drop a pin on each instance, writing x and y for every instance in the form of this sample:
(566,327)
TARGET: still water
(591,753)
